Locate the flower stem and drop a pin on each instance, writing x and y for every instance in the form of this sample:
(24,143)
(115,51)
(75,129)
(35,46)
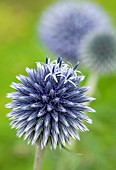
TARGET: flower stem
(92,82)
(38,158)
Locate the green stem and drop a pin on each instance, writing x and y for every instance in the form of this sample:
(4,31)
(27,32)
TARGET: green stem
(92,82)
(38,158)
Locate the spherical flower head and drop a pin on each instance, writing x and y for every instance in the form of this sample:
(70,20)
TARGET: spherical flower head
(47,107)
(98,51)
(64,25)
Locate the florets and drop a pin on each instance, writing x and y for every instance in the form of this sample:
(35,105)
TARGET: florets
(47,107)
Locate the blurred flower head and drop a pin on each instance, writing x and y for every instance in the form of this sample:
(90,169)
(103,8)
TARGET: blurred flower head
(98,51)
(65,24)
(47,107)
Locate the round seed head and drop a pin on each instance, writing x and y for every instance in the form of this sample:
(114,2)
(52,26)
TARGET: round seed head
(47,107)
(98,51)
(64,25)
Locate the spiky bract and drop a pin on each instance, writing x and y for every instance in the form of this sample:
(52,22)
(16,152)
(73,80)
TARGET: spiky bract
(47,107)
(98,51)
(64,25)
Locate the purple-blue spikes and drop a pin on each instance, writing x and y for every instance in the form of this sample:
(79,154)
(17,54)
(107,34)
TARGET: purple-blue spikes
(48,106)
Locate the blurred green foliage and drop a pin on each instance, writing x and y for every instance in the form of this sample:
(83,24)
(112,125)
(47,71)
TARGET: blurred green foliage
(19,48)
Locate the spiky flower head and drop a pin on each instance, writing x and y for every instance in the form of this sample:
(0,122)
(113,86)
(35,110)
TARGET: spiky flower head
(65,24)
(47,107)
(98,51)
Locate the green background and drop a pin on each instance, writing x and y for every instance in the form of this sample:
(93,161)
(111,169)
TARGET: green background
(19,48)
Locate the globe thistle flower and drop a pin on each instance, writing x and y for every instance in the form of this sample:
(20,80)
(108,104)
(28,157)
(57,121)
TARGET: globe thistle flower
(98,51)
(47,107)
(64,25)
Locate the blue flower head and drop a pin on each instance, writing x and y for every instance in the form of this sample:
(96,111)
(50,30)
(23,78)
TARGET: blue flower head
(64,25)
(47,107)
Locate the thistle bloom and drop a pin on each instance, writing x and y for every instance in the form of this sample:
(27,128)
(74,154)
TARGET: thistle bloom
(64,25)
(98,51)
(47,107)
